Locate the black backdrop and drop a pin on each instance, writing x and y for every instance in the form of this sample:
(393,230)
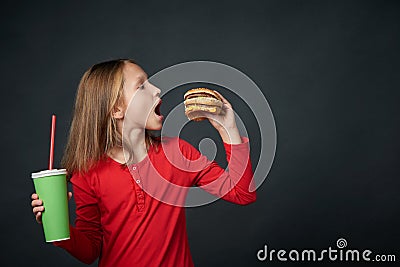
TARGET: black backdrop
(329,69)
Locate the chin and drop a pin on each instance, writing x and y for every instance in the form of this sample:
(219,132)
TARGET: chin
(154,127)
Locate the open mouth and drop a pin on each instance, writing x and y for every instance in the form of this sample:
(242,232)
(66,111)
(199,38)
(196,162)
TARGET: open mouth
(157,108)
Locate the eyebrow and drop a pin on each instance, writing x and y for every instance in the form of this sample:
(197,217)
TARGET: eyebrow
(141,79)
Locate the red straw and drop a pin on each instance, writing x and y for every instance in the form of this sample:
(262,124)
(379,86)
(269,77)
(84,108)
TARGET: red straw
(53,131)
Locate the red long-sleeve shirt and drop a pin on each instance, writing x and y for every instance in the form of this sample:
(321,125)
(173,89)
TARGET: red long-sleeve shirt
(131,217)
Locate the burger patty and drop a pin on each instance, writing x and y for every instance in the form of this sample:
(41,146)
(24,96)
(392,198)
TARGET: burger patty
(201,100)
(194,95)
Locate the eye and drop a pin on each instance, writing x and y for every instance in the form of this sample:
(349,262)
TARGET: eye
(141,87)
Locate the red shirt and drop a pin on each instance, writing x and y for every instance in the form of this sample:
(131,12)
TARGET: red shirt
(119,215)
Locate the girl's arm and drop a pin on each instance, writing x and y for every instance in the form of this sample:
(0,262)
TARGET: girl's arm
(86,236)
(236,184)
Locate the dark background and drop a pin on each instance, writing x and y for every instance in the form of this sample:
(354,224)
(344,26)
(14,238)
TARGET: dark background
(329,69)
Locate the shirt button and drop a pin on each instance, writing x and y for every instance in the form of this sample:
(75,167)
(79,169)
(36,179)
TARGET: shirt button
(138,181)
(134,168)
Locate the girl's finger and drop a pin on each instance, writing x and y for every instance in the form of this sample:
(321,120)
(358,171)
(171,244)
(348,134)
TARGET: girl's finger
(223,99)
(38,209)
(36,203)
(34,196)
(39,217)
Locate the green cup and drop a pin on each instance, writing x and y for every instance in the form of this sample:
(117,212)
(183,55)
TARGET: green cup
(51,187)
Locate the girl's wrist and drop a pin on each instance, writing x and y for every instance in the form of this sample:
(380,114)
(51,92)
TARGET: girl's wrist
(230,135)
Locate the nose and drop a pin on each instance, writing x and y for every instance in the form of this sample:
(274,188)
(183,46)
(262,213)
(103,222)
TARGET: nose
(157,90)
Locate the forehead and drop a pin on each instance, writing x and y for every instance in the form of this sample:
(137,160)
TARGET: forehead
(134,73)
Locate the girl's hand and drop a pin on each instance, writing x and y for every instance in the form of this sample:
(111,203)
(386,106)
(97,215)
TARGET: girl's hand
(225,120)
(38,207)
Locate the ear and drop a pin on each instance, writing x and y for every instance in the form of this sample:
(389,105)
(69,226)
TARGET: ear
(118,112)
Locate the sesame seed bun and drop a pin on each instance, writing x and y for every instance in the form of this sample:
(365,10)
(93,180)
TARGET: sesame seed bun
(202,90)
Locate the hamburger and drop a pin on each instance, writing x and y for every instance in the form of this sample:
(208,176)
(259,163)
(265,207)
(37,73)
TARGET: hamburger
(200,100)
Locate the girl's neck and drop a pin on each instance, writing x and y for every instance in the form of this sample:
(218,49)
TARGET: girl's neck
(136,140)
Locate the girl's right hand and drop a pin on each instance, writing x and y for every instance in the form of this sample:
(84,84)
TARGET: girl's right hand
(38,207)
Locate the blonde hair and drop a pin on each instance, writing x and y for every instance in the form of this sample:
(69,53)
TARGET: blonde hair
(93,129)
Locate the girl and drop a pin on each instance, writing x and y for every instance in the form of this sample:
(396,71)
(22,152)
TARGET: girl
(125,216)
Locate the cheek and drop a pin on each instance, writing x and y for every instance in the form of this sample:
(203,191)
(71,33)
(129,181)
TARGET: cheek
(139,108)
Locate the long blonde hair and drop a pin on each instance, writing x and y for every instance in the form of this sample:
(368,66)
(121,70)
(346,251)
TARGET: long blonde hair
(93,129)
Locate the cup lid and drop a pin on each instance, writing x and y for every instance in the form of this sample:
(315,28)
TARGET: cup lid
(48,173)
